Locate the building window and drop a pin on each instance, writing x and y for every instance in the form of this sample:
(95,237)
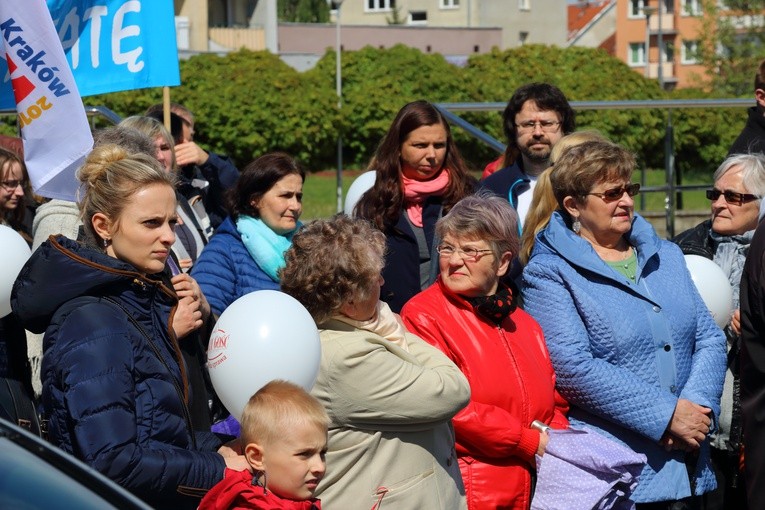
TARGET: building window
(524,5)
(691,7)
(380,5)
(637,54)
(450,4)
(418,18)
(636,9)
(669,52)
(689,52)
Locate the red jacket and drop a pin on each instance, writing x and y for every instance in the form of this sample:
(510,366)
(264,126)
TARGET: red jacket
(237,492)
(512,383)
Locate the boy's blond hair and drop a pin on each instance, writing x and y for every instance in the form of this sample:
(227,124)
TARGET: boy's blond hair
(277,406)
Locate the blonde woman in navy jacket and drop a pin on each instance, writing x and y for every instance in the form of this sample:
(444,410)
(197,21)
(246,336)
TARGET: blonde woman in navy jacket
(115,387)
(636,352)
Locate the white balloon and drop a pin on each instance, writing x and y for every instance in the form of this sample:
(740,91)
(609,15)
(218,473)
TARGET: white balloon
(361,185)
(714,287)
(262,336)
(15,254)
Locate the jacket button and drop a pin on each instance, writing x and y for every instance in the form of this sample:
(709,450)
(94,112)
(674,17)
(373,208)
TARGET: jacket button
(449,461)
(657,309)
(672,388)
(667,347)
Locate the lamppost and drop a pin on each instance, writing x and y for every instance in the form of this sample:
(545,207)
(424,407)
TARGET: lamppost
(647,11)
(339,89)
(660,44)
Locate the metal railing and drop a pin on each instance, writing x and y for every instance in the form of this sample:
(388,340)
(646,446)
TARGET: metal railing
(671,188)
(94,113)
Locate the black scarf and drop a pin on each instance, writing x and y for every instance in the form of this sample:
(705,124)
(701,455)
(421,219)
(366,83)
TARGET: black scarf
(497,307)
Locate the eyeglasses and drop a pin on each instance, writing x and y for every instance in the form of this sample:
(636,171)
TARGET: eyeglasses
(11,185)
(614,194)
(548,126)
(732,197)
(446,251)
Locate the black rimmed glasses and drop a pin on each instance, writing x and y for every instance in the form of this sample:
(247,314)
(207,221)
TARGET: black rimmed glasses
(446,251)
(732,197)
(11,185)
(548,126)
(614,194)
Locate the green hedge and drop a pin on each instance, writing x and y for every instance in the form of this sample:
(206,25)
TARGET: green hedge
(249,103)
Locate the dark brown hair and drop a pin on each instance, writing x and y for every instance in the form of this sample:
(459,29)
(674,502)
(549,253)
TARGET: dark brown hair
(547,97)
(383,203)
(257,178)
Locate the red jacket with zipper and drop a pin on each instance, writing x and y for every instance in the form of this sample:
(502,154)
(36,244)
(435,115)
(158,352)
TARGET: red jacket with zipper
(512,383)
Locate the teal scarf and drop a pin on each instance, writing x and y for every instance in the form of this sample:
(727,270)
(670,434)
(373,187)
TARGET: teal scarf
(265,246)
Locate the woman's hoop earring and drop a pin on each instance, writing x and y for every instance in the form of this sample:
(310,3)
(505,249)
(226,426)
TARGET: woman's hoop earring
(576,226)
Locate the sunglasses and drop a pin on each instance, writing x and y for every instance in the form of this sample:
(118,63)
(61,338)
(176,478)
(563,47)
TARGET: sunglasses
(613,194)
(732,197)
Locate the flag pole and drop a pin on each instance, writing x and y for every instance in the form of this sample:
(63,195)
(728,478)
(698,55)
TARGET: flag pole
(166,107)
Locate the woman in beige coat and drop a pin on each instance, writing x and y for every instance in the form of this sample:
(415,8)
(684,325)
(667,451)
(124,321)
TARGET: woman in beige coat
(390,396)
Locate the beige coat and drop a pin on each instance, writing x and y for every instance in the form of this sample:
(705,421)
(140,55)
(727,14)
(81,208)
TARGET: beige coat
(390,436)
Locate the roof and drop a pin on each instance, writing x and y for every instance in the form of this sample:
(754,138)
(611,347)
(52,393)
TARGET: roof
(582,13)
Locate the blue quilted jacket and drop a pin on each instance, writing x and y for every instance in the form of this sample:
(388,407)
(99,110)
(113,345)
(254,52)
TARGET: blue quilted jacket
(114,399)
(225,270)
(624,352)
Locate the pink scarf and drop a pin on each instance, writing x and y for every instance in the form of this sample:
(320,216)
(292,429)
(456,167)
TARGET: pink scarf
(415,193)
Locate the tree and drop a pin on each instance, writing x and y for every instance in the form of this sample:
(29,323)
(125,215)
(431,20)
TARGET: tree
(303,11)
(732,44)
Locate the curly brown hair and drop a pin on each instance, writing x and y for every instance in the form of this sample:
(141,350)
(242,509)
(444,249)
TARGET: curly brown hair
(332,262)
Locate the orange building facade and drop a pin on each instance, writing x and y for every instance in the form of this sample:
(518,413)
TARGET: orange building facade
(677,24)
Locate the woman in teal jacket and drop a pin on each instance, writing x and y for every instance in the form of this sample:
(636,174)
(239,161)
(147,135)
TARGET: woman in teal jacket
(636,352)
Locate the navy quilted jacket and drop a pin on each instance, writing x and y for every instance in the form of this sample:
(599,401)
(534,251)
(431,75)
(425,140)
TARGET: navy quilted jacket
(225,271)
(114,399)
(624,353)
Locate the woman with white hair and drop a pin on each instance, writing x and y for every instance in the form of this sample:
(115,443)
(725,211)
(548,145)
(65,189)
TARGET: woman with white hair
(739,184)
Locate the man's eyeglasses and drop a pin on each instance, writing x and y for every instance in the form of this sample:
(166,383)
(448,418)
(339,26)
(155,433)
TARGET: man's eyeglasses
(614,194)
(11,185)
(732,197)
(446,251)
(548,126)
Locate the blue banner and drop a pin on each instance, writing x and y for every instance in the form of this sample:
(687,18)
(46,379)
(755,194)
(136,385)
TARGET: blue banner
(111,45)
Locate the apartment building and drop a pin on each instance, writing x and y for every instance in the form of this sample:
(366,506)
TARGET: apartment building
(205,25)
(643,26)
(521,21)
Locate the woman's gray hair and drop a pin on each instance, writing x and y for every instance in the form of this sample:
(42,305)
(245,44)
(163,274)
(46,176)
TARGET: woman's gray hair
(752,171)
(483,216)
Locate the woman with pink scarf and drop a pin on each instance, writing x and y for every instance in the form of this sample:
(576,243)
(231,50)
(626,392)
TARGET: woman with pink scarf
(420,175)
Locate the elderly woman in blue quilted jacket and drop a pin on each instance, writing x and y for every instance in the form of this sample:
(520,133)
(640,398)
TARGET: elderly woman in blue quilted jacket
(115,387)
(247,250)
(637,354)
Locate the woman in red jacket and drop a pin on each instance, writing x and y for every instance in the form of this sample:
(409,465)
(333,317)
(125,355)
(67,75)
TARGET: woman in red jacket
(472,317)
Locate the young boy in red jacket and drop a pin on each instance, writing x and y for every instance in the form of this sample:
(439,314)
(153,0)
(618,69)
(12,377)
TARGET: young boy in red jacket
(284,430)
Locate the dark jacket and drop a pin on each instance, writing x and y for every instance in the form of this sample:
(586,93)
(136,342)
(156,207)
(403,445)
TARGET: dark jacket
(508,183)
(752,138)
(696,241)
(114,388)
(14,363)
(209,181)
(752,366)
(402,257)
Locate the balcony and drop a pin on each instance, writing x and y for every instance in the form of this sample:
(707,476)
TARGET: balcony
(667,24)
(237,38)
(667,68)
